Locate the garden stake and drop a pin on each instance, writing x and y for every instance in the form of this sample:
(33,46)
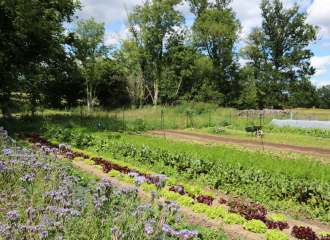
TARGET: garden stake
(81,117)
(161,119)
(124,120)
(209,118)
(247,116)
(262,142)
(230,117)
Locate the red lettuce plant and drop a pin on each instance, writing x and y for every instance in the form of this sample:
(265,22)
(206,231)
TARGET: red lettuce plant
(306,233)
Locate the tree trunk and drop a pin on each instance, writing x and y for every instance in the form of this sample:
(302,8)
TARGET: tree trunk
(156,93)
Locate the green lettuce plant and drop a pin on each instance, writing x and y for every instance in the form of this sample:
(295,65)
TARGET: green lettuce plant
(148,187)
(185,201)
(98,167)
(113,173)
(277,218)
(199,207)
(90,162)
(233,219)
(276,235)
(215,212)
(256,226)
(78,159)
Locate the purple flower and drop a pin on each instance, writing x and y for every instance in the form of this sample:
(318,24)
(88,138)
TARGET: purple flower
(148,229)
(13,215)
(166,228)
(154,193)
(43,235)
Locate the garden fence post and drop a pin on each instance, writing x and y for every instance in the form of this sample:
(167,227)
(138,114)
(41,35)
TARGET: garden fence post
(81,117)
(187,120)
(247,116)
(161,119)
(209,118)
(124,120)
(230,117)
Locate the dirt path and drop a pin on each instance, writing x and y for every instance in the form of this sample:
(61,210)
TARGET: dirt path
(325,153)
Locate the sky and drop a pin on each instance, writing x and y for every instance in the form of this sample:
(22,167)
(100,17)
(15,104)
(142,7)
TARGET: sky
(113,14)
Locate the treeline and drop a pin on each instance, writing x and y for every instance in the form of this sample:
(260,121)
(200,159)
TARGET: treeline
(161,61)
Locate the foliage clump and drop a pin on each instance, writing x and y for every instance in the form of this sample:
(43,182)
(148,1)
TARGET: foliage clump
(256,226)
(215,212)
(233,219)
(199,207)
(276,235)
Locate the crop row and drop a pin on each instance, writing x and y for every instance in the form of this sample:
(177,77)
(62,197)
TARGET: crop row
(305,183)
(253,217)
(40,200)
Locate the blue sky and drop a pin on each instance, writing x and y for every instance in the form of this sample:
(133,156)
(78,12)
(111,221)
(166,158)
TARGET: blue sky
(113,14)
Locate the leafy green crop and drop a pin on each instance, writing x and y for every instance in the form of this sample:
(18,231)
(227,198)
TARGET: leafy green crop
(233,219)
(215,212)
(324,234)
(148,187)
(171,182)
(89,162)
(256,226)
(128,179)
(98,167)
(169,195)
(276,235)
(199,207)
(277,218)
(185,201)
(78,159)
(113,173)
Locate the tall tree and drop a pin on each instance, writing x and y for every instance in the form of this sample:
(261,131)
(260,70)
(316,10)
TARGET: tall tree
(278,52)
(150,24)
(89,49)
(29,31)
(216,30)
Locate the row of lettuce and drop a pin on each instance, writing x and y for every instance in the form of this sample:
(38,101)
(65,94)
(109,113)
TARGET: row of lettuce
(41,200)
(276,182)
(253,217)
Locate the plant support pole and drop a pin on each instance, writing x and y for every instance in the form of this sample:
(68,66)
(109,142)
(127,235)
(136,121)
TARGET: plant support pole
(161,119)
(124,120)
(209,118)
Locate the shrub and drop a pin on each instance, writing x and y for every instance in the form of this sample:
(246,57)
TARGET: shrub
(215,212)
(256,226)
(77,159)
(185,201)
(276,235)
(90,162)
(113,173)
(277,218)
(233,219)
(199,207)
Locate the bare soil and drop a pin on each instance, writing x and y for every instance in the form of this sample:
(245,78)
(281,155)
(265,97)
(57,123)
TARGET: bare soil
(325,153)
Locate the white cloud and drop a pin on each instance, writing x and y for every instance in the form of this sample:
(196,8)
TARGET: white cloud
(320,62)
(113,37)
(325,45)
(319,15)
(320,72)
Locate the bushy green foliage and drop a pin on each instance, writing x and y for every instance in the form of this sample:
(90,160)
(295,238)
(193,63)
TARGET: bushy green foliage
(78,159)
(276,235)
(169,195)
(148,187)
(128,179)
(171,182)
(98,167)
(233,219)
(256,226)
(89,162)
(199,207)
(215,212)
(113,173)
(277,218)
(324,234)
(185,201)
